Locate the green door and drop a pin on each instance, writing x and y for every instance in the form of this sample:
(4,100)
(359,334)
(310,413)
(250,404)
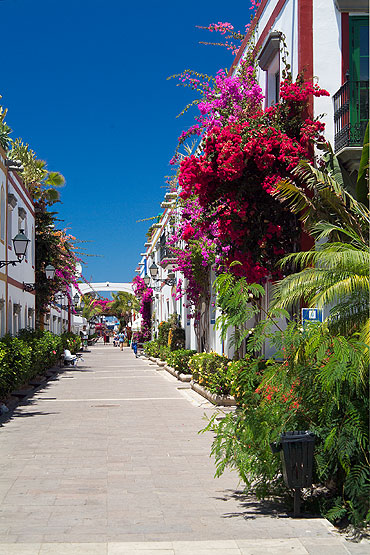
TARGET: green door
(359,77)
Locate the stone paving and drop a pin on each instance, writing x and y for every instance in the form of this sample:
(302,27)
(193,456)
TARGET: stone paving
(106,459)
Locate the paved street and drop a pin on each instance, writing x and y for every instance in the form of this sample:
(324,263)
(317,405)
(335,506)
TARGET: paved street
(106,459)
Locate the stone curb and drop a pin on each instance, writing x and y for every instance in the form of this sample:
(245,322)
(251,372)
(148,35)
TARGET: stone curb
(160,362)
(220,400)
(179,375)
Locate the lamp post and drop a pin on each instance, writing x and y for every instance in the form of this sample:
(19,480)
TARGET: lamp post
(50,274)
(153,269)
(20,244)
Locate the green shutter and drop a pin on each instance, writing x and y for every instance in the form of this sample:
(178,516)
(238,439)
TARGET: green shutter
(359,72)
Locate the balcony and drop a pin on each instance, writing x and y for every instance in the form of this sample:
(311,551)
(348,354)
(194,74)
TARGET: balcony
(351,115)
(166,257)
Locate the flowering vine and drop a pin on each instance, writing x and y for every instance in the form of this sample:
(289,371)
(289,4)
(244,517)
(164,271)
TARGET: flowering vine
(145,295)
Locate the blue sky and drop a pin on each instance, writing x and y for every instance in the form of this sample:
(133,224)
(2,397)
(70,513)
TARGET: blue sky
(85,85)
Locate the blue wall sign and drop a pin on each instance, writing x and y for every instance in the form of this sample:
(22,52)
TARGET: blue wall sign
(312,315)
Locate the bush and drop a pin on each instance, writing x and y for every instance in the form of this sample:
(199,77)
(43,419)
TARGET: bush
(46,348)
(164,352)
(15,364)
(176,338)
(316,382)
(151,348)
(246,375)
(170,334)
(179,360)
(71,341)
(25,356)
(212,372)
(163,331)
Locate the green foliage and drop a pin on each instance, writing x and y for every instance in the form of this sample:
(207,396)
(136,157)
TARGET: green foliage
(152,348)
(71,341)
(163,331)
(238,302)
(336,272)
(164,352)
(212,372)
(316,381)
(4,129)
(25,356)
(179,360)
(15,364)
(170,334)
(362,185)
(246,374)
(41,182)
(122,306)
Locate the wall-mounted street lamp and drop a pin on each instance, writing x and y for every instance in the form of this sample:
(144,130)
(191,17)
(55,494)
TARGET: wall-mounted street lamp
(50,274)
(50,271)
(146,279)
(20,244)
(153,269)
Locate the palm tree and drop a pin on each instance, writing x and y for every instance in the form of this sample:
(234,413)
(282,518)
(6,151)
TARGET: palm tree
(335,272)
(122,306)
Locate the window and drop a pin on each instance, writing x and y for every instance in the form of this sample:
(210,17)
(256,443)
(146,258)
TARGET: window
(359,70)
(269,61)
(273,81)
(9,222)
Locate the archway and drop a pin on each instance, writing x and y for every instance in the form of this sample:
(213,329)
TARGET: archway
(106,286)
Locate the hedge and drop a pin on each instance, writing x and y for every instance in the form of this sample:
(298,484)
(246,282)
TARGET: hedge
(30,354)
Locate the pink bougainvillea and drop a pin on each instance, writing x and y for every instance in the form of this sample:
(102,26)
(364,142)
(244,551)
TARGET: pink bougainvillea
(145,295)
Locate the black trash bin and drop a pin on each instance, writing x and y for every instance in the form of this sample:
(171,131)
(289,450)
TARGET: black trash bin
(296,449)
(297,457)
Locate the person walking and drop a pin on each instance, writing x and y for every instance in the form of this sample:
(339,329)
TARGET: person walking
(121,339)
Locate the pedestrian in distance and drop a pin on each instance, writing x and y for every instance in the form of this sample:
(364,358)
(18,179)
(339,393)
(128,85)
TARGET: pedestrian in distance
(134,347)
(121,339)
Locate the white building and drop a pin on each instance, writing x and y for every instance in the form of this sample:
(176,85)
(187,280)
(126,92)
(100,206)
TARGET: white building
(329,41)
(17,299)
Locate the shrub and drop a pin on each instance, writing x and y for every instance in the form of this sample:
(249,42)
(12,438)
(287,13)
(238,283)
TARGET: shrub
(15,364)
(246,375)
(151,348)
(179,360)
(316,382)
(164,352)
(163,331)
(176,338)
(46,348)
(71,341)
(212,372)
(25,356)
(170,334)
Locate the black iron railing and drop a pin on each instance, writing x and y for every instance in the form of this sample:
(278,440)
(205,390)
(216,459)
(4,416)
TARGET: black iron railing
(165,252)
(351,114)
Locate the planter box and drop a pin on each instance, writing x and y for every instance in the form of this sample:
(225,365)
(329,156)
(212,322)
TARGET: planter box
(220,400)
(178,375)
